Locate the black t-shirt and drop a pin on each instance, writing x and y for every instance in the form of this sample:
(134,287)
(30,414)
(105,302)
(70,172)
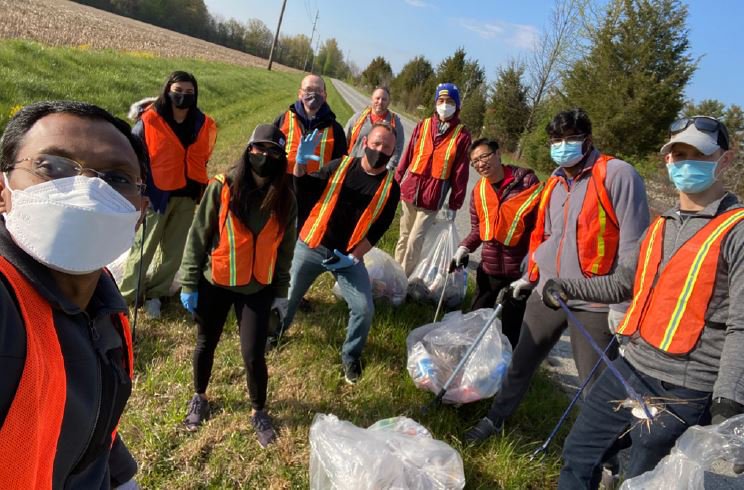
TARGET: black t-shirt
(357,192)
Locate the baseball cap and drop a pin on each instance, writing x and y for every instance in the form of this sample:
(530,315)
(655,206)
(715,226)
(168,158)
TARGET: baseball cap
(705,133)
(268,133)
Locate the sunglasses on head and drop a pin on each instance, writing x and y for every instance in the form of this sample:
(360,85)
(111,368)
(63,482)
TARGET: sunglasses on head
(704,124)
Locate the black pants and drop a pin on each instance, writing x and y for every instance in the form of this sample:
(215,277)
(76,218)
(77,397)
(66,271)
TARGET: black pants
(487,289)
(252,312)
(541,330)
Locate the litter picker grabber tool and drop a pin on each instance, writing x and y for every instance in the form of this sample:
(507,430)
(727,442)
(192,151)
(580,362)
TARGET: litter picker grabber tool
(632,393)
(496,314)
(444,287)
(139,280)
(575,399)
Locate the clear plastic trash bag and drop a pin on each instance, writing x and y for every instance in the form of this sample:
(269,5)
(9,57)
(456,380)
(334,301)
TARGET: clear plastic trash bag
(389,281)
(117,270)
(431,274)
(434,350)
(694,453)
(394,453)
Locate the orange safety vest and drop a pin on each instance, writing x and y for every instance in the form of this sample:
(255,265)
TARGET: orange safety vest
(597,227)
(29,435)
(240,255)
(503,221)
(669,306)
(316,224)
(440,157)
(171,164)
(292,128)
(357,128)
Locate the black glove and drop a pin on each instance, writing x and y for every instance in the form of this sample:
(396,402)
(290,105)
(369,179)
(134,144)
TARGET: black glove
(552,289)
(723,408)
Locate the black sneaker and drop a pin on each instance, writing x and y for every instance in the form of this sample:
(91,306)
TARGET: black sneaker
(264,428)
(481,431)
(352,371)
(198,413)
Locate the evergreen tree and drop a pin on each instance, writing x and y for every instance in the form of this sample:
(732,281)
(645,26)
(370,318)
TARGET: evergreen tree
(414,85)
(469,77)
(631,82)
(377,73)
(507,110)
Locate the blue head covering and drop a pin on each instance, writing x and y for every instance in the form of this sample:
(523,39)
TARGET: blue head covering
(449,89)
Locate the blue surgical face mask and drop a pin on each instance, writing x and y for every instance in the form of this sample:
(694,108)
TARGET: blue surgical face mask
(692,176)
(567,154)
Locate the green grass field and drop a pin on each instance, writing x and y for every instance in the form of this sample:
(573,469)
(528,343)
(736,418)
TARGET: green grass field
(305,375)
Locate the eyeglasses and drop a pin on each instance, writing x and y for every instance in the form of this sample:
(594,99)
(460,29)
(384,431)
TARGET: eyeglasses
(481,159)
(52,167)
(574,138)
(704,124)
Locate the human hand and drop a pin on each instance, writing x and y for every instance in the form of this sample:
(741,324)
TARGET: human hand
(280,305)
(460,259)
(553,289)
(339,261)
(306,148)
(520,286)
(189,301)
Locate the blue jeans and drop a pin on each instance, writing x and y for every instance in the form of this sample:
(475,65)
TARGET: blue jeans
(356,289)
(593,437)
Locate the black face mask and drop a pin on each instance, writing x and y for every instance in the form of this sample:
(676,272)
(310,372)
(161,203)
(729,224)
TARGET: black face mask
(376,159)
(263,165)
(181,100)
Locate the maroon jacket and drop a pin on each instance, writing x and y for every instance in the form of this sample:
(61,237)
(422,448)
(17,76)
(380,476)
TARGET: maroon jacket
(424,191)
(497,259)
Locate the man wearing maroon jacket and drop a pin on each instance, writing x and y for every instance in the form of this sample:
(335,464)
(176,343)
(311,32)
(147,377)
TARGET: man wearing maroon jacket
(502,213)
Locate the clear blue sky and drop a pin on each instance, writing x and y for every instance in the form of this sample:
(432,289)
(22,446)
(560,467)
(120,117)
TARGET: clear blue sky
(491,31)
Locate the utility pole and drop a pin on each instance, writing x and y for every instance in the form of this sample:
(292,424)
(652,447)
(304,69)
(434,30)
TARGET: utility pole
(276,35)
(310,46)
(317,46)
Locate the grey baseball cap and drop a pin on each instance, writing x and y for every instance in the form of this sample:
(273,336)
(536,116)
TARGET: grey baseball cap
(707,134)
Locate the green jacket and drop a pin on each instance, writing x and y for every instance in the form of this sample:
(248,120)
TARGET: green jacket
(204,237)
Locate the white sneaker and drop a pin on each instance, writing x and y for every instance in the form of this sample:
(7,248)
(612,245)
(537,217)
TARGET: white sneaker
(152,308)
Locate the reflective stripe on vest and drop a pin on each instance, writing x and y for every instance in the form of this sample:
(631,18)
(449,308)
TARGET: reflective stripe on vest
(503,221)
(316,224)
(441,157)
(170,162)
(669,313)
(292,129)
(240,256)
(357,128)
(30,433)
(597,227)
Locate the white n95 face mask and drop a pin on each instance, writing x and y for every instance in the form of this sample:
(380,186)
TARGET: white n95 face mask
(75,225)
(445,111)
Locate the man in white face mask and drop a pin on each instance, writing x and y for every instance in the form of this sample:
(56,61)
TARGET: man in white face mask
(435,161)
(71,198)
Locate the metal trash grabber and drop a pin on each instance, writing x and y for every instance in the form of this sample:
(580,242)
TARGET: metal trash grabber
(632,393)
(139,280)
(444,287)
(575,399)
(496,313)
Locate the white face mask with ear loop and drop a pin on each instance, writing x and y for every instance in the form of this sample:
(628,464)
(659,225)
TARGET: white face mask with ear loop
(75,225)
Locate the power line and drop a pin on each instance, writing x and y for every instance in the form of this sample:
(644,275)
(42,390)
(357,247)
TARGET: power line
(276,35)
(310,44)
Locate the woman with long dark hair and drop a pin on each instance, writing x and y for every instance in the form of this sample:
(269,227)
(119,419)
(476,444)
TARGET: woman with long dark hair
(238,255)
(179,140)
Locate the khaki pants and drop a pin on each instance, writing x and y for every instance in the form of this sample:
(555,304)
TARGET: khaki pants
(414,223)
(165,231)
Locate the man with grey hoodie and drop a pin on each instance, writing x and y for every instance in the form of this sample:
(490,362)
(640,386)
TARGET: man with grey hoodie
(591,216)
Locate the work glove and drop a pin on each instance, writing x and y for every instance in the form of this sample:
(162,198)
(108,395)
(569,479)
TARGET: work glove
(519,287)
(339,261)
(553,288)
(306,148)
(460,259)
(189,300)
(280,305)
(449,214)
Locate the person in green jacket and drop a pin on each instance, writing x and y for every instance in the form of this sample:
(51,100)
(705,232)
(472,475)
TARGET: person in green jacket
(238,254)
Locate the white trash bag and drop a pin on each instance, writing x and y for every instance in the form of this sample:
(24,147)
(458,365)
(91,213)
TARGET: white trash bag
(395,453)
(389,281)
(694,453)
(430,275)
(434,350)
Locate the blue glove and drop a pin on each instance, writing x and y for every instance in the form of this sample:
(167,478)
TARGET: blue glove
(306,148)
(339,261)
(189,300)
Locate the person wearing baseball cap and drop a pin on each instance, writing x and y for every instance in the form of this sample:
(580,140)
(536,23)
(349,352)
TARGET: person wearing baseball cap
(238,255)
(684,329)
(435,162)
